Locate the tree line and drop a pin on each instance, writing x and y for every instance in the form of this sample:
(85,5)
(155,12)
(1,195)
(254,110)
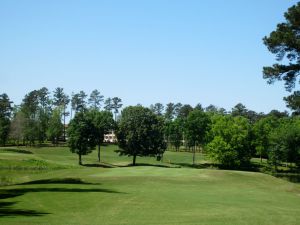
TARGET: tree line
(229,138)
(41,116)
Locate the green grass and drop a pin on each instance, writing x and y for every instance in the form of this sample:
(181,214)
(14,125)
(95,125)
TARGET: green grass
(48,187)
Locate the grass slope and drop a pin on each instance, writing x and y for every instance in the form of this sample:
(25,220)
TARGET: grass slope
(60,192)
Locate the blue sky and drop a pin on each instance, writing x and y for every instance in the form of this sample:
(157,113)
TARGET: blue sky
(144,51)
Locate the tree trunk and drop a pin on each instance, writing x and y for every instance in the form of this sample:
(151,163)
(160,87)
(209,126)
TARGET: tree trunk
(260,158)
(80,161)
(194,155)
(98,152)
(64,123)
(134,159)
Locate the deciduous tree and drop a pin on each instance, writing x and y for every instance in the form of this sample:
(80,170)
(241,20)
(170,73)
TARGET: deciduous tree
(140,133)
(81,133)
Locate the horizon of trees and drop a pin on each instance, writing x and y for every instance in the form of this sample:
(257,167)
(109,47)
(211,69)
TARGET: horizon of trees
(227,137)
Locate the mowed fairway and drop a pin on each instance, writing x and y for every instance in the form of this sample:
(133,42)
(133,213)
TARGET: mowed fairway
(54,190)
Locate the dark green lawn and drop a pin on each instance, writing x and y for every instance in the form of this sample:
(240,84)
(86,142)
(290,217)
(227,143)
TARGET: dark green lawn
(48,187)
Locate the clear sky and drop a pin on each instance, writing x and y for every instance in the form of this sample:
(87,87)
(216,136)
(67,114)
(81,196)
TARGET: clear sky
(144,51)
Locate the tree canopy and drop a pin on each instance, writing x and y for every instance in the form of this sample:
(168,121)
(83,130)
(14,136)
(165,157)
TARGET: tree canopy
(140,133)
(284,42)
(81,134)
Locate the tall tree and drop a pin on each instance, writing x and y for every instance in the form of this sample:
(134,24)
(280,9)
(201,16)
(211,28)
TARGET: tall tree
(157,108)
(199,107)
(55,129)
(78,102)
(81,132)
(170,111)
(116,105)
(104,123)
(17,126)
(5,114)
(62,100)
(108,104)
(29,108)
(212,109)
(177,108)
(95,99)
(185,111)
(140,133)
(175,133)
(196,127)
(284,43)
(44,113)
(239,110)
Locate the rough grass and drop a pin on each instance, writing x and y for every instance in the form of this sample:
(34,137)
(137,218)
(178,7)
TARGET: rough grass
(152,193)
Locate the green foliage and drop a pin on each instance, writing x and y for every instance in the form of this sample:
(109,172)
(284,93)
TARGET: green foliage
(170,111)
(285,143)
(196,127)
(261,130)
(103,123)
(5,113)
(78,102)
(229,143)
(293,102)
(95,99)
(157,108)
(284,43)
(81,134)
(62,100)
(36,108)
(140,133)
(184,111)
(55,128)
(175,133)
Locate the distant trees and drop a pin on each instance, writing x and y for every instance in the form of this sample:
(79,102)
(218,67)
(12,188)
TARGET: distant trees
(196,127)
(17,127)
(96,99)
(36,108)
(116,105)
(39,116)
(113,104)
(60,99)
(140,133)
(170,111)
(55,128)
(175,133)
(78,102)
(5,114)
(229,138)
(157,108)
(261,131)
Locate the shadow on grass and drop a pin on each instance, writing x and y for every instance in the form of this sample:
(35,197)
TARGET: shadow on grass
(100,165)
(150,165)
(16,150)
(198,166)
(59,181)
(248,168)
(7,208)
